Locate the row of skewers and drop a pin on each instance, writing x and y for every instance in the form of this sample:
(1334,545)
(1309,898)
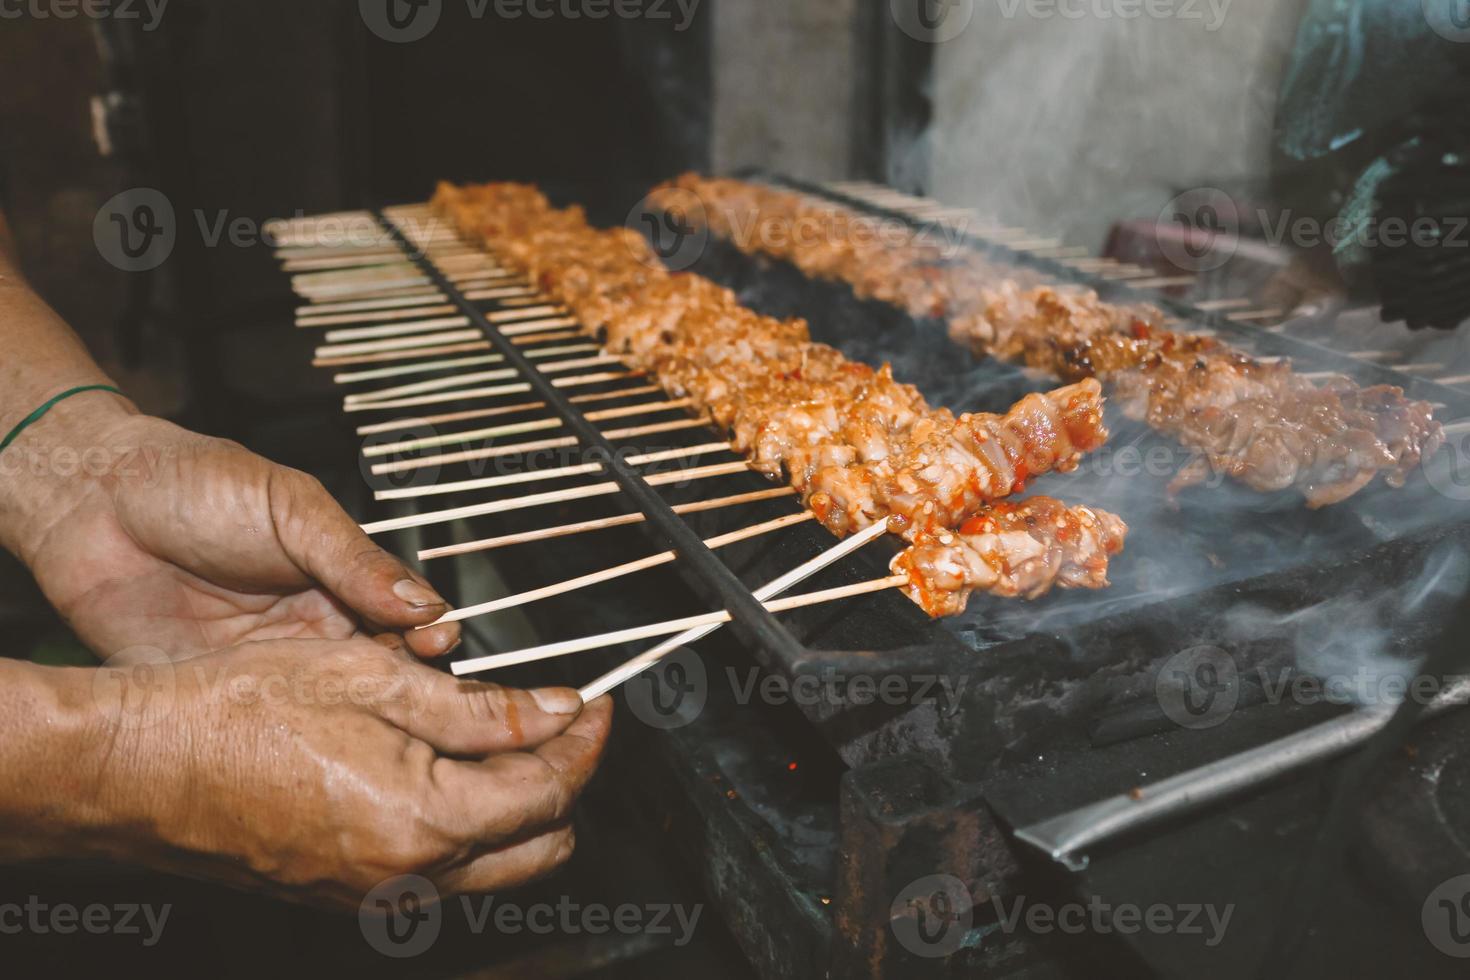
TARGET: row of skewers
(1252,419)
(859,447)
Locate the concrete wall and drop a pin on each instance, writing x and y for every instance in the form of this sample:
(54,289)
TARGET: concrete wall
(1064,124)
(785,74)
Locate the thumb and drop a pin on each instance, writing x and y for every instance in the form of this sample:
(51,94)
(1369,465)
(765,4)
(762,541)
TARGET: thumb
(323,541)
(469,718)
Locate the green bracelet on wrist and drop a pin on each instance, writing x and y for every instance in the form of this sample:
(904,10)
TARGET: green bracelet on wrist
(40,413)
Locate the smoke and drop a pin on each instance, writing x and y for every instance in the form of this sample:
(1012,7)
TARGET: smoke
(1064,124)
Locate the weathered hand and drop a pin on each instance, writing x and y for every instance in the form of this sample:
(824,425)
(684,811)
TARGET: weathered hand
(316,770)
(189,544)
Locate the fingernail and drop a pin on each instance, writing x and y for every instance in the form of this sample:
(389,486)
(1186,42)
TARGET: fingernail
(416,595)
(557,701)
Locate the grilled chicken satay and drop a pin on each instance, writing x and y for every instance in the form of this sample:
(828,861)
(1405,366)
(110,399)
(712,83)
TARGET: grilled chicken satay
(856,443)
(953,467)
(1259,423)
(1013,549)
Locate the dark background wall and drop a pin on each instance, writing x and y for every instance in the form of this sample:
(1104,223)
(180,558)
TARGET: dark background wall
(274,107)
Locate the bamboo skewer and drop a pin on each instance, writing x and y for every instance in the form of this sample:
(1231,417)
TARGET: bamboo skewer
(400,355)
(541,338)
(536,446)
(377,316)
(482,267)
(496,452)
(527,313)
(418,367)
(449,438)
(505,292)
(437,384)
(599,524)
(383,244)
(619,571)
(409,329)
(492,392)
(403,355)
(535,476)
(358,306)
(427,366)
(614,679)
(553,497)
(486,413)
(361,290)
(440,384)
(557,367)
(397,343)
(372,295)
(568,647)
(539,325)
(333,263)
(512,429)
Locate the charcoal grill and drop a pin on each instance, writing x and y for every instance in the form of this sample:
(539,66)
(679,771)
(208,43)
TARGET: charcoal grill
(1050,687)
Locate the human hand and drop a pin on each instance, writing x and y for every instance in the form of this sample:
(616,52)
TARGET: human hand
(192,544)
(316,770)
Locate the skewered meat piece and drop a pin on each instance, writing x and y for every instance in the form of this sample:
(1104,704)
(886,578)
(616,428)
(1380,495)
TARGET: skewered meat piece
(1012,549)
(1259,423)
(953,467)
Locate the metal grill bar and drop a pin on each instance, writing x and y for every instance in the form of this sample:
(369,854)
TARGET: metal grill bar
(752,621)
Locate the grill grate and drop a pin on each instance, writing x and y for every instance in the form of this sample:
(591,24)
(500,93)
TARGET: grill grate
(1049,668)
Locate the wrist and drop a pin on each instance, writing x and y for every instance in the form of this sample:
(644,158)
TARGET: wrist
(57,460)
(60,795)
